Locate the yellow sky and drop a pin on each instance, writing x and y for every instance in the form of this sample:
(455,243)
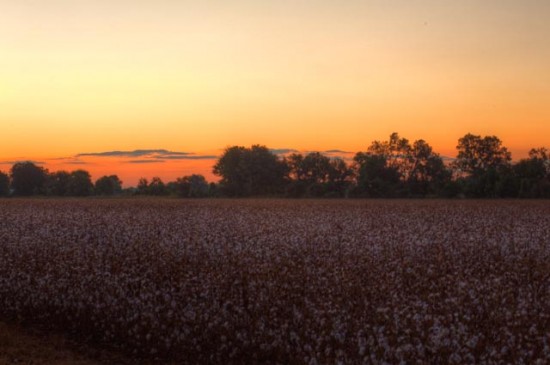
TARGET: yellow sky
(100,75)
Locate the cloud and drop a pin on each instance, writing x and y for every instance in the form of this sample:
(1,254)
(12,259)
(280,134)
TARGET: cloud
(145,161)
(77,163)
(282,151)
(337,151)
(19,161)
(134,153)
(187,157)
(151,156)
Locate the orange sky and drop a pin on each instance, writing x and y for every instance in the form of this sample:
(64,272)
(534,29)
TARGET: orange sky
(82,76)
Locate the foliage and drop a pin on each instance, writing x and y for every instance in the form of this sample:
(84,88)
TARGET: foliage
(376,177)
(250,171)
(533,175)
(157,187)
(193,186)
(80,184)
(57,183)
(143,186)
(316,175)
(27,178)
(478,155)
(108,185)
(484,166)
(394,168)
(4,184)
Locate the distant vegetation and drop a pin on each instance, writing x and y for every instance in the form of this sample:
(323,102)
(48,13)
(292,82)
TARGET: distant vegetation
(395,168)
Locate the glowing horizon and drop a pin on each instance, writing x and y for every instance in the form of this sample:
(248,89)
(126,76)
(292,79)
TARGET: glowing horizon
(92,76)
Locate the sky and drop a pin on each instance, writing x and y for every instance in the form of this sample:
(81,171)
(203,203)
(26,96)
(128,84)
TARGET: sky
(182,80)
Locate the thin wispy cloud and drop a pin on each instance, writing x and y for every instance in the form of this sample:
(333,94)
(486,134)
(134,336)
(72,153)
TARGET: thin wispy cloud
(151,155)
(189,157)
(145,161)
(283,151)
(337,151)
(13,162)
(134,153)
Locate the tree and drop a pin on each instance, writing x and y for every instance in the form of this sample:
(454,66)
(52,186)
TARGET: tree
(316,168)
(250,171)
(376,177)
(485,164)
(57,183)
(542,156)
(396,152)
(80,183)
(317,175)
(4,184)
(533,175)
(108,185)
(27,178)
(340,177)
(194,186)
(428,173)
(477,155)
(143,186)
(157,187)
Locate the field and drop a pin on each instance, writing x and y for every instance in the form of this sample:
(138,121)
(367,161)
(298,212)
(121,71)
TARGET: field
(287,282)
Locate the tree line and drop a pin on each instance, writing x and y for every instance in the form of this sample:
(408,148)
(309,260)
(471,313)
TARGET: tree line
(393,168)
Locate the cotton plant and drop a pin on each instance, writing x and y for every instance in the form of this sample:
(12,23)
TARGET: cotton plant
(305,282)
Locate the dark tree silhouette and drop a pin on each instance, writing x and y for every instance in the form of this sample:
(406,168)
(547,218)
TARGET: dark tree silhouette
(194,186)
(80,184)
(428,173)
(377,177)
(533,175)
(340,178)
(157,187)
(28,178)
(477,155)
(485,165)
(250,171)
(4,184)
(397,153)
(57,183)
(317,175)
(143,186)
(108,185)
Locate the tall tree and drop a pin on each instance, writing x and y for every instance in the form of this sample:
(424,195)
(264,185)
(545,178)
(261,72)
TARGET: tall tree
(4,184)
(108,185)
(193,186)
(250,171)
(397,153)
(80,183)
(27,178)
(485,165)
(533,174)
(315,168)
(340,177)
(477,155)
(428,173)
(376,177)
(57,183)
(157,187)
(143,186)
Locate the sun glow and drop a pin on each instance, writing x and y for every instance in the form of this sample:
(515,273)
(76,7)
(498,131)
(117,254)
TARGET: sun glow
(188,76)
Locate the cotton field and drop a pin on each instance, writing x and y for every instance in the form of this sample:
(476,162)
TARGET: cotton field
(284,282)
